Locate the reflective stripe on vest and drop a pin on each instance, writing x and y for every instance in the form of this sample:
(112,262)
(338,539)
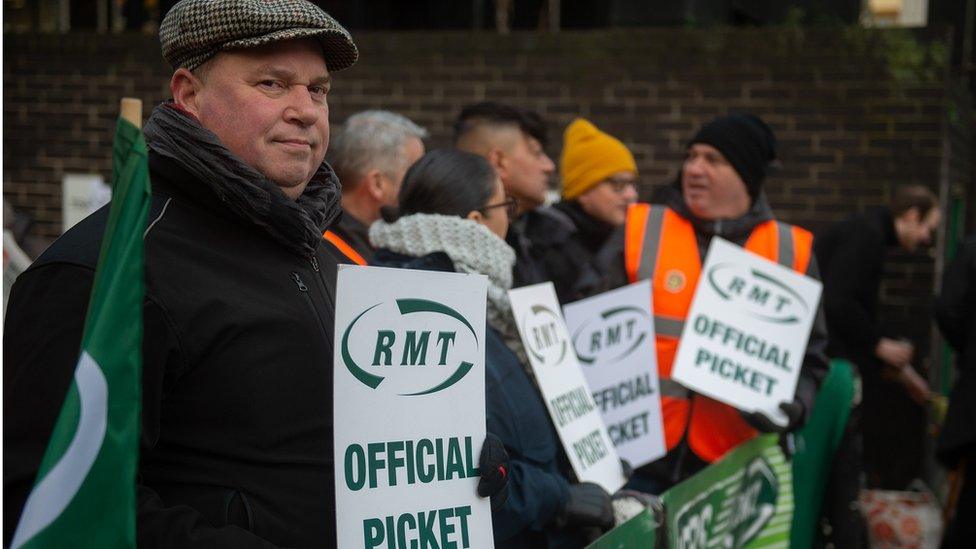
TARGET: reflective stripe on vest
(344,248)
(662,246)
(670,327)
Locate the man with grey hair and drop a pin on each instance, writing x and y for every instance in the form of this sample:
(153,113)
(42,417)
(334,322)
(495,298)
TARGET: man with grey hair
(237,440)
(370,154)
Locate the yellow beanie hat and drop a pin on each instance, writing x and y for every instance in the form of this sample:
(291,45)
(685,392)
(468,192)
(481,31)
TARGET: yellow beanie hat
(590,156)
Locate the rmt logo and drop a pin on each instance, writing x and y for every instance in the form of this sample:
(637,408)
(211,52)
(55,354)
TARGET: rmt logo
(420,346)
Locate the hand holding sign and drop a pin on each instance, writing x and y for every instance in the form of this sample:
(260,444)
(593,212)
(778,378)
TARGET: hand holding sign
(589,506)
(493,465)
(761,422)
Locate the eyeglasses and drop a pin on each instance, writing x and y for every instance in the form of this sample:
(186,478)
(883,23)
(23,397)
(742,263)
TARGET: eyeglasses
(619,185)
(510,205)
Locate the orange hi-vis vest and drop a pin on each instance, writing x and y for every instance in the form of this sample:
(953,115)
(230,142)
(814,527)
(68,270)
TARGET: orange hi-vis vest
(344,247)
(661,245)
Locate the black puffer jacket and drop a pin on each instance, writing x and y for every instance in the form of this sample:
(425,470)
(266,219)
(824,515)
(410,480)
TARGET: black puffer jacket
(852,255)
(529,235)
(568,255)
(237,379)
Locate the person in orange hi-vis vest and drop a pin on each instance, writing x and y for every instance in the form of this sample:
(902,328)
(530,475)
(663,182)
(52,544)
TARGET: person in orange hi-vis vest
(718,193)
(370,154)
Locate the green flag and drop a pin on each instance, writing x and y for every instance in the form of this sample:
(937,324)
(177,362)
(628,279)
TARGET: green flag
(85,489)
(743,500)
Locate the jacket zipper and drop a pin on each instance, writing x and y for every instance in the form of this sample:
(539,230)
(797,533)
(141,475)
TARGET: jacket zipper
(303,288)
(298,282)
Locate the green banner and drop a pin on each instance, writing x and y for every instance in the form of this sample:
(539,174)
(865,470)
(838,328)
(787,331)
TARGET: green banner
(639,531)
(85,493)
(744,500)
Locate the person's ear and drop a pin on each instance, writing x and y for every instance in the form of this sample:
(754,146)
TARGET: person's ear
(476,216)
(185,87)
(374,184)
(498,160)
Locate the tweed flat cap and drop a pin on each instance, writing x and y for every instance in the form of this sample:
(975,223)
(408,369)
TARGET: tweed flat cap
(193,31)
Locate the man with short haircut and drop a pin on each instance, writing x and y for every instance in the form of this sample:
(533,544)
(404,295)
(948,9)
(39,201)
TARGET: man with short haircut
(370,154)
(599,179)
(852,254)
(513,140)
(718,193)
(237,438)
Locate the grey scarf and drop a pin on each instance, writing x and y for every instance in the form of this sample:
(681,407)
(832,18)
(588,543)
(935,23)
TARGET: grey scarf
(296,224)
(472,248)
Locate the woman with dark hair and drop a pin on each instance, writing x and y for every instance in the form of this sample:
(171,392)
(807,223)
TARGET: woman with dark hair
(453,216)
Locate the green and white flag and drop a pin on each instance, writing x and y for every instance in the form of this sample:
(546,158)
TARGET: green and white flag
(745,500)
(85,489)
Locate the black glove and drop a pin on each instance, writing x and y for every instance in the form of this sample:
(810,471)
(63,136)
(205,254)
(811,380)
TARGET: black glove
(794,412)
(627,467)
(588,505)
(493,464)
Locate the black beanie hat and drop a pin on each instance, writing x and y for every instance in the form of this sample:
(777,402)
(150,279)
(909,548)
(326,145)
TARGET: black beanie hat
(746,142)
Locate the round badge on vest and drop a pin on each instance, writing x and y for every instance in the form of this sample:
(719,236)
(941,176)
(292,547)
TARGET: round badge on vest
(674,281)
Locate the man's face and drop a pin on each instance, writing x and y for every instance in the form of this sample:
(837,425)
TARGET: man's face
(525,172)
(268,106)
(711,187)
(412,150)
(916,231)
(608,200)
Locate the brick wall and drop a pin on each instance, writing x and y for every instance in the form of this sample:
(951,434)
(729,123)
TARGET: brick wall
(847,128)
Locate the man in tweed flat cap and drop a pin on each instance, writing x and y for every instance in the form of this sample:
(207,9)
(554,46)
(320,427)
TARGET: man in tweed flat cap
(237,380)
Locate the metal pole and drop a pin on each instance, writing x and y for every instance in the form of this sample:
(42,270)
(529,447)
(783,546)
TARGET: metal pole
(554,15)
(64,16)
(478,14)
(967,41)
(102,23)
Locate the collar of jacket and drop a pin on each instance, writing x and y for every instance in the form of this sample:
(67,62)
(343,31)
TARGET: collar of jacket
(542,226)
(591,231)
(435,261)
(733,230)
(348,225)
(886,220)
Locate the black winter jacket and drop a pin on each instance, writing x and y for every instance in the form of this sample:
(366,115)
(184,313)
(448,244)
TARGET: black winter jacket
(527,235)
(851,256)
(236,446)
(568,255)
(355,234)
